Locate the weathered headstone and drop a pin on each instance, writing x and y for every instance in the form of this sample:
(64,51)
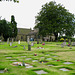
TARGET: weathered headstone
(19,42)
(32,44)
(37,41)
(24,47)
(10,43)
(28,40)
(12,40)
(73,43)
(64,43)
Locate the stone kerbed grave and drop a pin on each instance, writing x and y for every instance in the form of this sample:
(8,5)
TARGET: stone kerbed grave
(22,64)
(8,57)
(14,46)
(49,59)
(64,69)
(28,58)
(40,48)
(55,56)
(68,63)
(50,65)
(34,60)
(23,56)
(43,61)
(41,72)
(13,60)
(1,71)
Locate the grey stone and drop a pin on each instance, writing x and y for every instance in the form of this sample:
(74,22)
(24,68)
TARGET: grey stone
(40,72)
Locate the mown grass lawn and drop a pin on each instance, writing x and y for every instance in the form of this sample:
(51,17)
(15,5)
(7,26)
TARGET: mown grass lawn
(52,54)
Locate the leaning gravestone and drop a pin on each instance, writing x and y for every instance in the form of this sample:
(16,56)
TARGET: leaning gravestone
(73,43)
(8,41)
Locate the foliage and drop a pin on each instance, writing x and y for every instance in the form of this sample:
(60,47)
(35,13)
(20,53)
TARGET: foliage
(53,19)
(14,26)
(11,0)
(8,29)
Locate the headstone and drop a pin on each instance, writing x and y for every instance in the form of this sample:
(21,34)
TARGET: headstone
(12,40)
(64,43)
(73,43)
(24,47)
(28,40)
(0,40)
(19,42)
(37,41)
(32,44)
(10,43)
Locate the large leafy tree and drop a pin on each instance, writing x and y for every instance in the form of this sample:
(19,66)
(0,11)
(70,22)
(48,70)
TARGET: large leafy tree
(53,19)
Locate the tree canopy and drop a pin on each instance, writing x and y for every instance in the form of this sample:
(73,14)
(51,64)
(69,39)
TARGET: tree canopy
(8,29)
(53,19)
(10,0)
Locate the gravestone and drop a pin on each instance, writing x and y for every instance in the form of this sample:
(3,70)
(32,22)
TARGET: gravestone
(24,47)
(64,43)
(32,44)
(37,41)
(12,40)
(73,43)
(19,42)
(8,41)
(28,40)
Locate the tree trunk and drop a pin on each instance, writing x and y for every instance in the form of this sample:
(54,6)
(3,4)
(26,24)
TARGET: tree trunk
(56,36)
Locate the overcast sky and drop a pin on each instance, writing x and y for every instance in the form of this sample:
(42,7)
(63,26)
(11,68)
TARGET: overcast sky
(26,10)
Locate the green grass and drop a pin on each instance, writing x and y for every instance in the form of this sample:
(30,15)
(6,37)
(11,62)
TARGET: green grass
(50,49)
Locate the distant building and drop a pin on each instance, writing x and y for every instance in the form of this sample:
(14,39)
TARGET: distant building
(22,32)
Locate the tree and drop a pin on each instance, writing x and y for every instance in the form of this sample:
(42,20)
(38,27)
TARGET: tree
(14,26)
(8,29)
(11,0)
(53,19)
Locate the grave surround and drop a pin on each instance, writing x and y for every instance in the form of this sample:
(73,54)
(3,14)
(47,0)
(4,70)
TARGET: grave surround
(40,72)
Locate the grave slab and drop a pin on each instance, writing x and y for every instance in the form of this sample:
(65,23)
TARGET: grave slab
(64,69)
(40,72)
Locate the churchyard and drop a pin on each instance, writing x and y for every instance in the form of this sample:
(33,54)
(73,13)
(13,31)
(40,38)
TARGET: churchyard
(49,58)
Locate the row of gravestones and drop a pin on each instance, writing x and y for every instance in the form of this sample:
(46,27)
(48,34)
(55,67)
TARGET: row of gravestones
(64,44)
